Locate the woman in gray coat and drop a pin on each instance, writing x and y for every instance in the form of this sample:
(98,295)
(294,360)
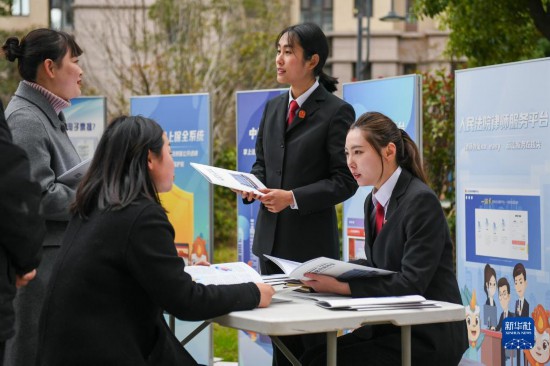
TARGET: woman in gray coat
(48,65)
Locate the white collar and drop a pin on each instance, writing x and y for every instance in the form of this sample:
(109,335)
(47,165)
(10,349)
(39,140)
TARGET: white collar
(383,194)
(302,98)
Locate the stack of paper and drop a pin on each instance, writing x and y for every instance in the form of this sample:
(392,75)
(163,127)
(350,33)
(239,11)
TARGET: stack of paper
(275,279)
(317,296)
(377,303)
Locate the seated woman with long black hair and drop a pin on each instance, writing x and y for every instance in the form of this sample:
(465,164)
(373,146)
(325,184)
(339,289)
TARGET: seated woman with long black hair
(118,269)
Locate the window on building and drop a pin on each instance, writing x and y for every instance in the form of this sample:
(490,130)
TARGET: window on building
(20,8)
(329,41)
(410,69)
(411,23)
(366,71)
(61,14)
(318,12)
(364,7)
(327,69)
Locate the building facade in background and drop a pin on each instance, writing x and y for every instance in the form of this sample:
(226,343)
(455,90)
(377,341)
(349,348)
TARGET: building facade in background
(26,14)
(394,47)
(388,48)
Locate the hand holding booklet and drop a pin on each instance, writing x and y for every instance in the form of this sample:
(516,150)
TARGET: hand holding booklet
(229,178)
(343,271)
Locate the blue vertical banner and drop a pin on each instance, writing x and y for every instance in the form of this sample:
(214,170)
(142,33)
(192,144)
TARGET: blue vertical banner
(186,120)
(86,120)
(250,108)
(399,98)
(502,133)
(254,349)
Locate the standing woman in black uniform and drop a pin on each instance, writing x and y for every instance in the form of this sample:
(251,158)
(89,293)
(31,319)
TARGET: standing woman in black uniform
(300,156)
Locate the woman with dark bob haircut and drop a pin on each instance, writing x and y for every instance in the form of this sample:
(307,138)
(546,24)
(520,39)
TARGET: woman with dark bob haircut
(47,61)
(118,268)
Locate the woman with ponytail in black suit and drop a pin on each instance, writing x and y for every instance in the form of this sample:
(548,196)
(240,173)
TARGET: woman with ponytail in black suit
(300,157)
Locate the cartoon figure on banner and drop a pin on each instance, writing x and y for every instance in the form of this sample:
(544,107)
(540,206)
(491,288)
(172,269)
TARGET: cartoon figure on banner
(179,209)
(489,310)
(199,253)
(490,284)
(183,252)
(473,323)
(540,354)
(504,298)
(520,284)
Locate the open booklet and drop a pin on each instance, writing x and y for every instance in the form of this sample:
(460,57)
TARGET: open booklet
(223,274)
(233,273)
(229,178)
(72,176)
(343,271)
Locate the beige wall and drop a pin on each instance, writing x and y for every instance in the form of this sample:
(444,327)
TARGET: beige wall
(39,16)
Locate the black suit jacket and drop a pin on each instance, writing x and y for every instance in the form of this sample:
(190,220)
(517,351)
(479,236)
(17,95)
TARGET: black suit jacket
(21,226)
(415,243)
(115,274)
(511,314)
(308,158)
(524,309)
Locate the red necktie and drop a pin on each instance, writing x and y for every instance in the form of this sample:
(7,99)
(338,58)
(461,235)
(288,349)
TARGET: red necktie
(379,217)
(292,111)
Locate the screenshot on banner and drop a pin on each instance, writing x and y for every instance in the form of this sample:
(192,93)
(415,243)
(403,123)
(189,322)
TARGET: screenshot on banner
(503,228)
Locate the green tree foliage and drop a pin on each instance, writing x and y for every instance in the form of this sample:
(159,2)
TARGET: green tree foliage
(188,46)
(5,7)
(225,203)
(492,31)
(438,117)
(192,46)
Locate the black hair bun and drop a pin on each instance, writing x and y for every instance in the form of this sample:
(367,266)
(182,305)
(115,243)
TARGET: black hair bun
(11,48)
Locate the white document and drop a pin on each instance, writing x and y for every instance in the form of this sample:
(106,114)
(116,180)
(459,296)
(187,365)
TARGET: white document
(375,303)
(343,271)
(317,296)
(229,178)
(72,176)
(224,274)
(420,305)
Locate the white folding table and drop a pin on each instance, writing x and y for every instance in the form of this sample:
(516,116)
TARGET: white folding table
(303,317)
